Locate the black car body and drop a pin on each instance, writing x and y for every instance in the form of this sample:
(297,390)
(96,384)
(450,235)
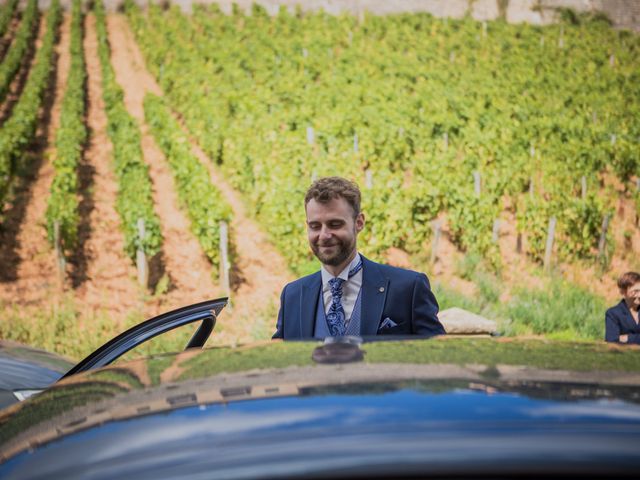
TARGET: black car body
(401,408)
(25,370)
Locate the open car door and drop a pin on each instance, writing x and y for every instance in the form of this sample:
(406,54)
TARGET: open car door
(205,312)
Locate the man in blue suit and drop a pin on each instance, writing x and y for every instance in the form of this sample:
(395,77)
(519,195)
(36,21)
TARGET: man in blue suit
(351,295)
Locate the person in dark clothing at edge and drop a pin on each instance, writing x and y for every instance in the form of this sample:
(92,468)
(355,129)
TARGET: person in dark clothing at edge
(351,295)
(621,321)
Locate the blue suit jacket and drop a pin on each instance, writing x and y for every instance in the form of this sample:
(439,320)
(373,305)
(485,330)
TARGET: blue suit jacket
(618,321)
(401,295)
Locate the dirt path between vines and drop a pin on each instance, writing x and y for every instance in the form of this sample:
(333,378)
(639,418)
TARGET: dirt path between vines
(261,271)
(189,270)
(33,263)
(109,282)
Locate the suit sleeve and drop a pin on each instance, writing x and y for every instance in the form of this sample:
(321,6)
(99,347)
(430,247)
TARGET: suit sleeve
(611,327)
(280,323)
(425,309)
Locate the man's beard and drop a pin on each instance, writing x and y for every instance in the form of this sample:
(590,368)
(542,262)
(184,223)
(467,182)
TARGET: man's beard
(336,258)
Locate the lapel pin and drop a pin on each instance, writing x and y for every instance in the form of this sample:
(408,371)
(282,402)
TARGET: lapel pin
(381,289)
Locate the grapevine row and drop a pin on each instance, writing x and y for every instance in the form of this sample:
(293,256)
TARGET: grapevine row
(62,207)
(19,47)
(135,191)
(205,204)
(19,130)
(6,14)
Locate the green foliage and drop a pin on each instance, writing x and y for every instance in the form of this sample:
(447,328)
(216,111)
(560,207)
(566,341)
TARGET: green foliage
(570,16)
(134,201)
(402,84)
(584,219)
(62,207)
(471,220)
(19,130)
(25,36)
(532,218)
(205,204)
(449,298)
(559,307)
(61,328)
(6,14)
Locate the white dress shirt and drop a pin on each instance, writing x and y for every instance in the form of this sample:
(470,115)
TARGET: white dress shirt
(350,288)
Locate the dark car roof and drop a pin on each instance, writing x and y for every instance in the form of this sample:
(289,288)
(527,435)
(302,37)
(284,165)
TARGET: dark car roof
(27,367)
(269,411)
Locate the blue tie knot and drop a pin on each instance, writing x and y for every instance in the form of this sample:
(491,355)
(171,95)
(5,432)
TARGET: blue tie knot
(336,287)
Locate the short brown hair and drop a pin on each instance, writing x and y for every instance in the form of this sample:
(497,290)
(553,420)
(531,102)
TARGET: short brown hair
(325,189)
(628,279)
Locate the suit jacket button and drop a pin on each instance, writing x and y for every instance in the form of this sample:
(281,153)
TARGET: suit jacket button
(381,289)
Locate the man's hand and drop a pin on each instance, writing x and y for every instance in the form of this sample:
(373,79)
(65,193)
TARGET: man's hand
(624,338)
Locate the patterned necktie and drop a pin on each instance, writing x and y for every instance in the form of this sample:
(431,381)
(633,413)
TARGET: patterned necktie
(336,316)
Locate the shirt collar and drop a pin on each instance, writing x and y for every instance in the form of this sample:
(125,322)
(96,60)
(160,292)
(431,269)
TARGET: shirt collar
(344,274)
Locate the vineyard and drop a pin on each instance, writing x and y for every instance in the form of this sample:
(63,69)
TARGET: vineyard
(487,153)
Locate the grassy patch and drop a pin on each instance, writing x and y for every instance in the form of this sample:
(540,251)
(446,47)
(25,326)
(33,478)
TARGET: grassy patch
(560,309)
(63,328)
(448,298)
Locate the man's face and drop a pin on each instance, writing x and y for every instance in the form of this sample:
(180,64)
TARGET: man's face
(632,295)
(332,230)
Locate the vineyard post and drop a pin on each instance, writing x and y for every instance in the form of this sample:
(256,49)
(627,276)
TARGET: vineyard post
(612,60)
(637,193)
(141,258)
(452,57)
(310,135)
(224,259)
(368,178)
(614,137)
(355,143)
(476,183)
(484,29)
(496,230)
(519,243)
(445,140)
(437,228)
(549,246)
(603,236)
(531,189)
(60,261)
(314,176)
(561,38)
(583,182)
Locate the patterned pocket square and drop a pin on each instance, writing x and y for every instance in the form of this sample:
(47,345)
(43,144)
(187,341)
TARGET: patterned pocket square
(387,323)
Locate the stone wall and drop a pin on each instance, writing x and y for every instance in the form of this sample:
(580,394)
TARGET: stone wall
(623,13)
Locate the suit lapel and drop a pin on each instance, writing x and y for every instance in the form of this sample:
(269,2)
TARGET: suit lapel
(309,297)
(374,294)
